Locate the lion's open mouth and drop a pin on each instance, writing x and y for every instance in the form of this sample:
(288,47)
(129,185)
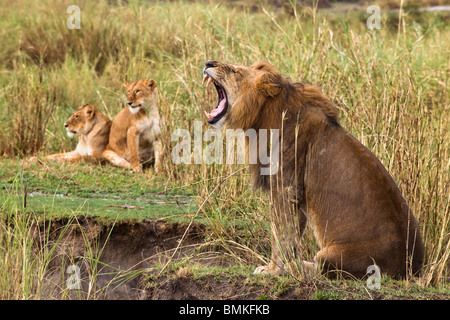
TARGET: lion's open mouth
(222,105)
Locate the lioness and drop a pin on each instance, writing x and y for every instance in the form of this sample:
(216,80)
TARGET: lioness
(326,176)
(94,128)
(134,138)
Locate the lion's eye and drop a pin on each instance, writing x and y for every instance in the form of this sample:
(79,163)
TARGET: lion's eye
(233,70)
(137,91)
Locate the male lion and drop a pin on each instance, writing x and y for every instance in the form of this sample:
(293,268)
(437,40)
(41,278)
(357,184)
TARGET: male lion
(326,176)
(134,138)
(94,128)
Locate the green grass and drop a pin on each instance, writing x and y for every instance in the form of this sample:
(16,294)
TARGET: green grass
(153,206)
(65,190)
(390,85)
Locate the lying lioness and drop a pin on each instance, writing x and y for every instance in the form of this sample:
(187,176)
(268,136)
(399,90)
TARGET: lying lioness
(326,177)
(93,127)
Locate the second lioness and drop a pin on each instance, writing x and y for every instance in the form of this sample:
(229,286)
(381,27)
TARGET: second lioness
(134,138)
(93,128)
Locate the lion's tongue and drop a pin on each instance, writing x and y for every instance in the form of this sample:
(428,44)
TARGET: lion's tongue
(219,108)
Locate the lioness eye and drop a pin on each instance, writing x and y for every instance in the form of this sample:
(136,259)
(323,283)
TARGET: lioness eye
(137,91)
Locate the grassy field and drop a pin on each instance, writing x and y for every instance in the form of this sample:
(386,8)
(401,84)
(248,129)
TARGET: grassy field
(391,86)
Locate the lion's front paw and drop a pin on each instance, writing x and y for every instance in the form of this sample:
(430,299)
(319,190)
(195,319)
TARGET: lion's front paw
(137,169)
(261,270)
(158,168)
(270,269)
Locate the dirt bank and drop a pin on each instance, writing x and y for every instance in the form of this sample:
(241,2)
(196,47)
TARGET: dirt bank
(95,260)
(91,259)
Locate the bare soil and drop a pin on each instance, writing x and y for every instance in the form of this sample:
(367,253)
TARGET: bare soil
(120,255)
(128,260)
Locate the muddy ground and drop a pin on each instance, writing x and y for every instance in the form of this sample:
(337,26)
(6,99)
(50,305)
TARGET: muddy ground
(146,260)
(91,259)
(128,258)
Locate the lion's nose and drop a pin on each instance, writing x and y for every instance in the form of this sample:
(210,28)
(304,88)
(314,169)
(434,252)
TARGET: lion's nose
(211,64)
(66,125)
(129,103)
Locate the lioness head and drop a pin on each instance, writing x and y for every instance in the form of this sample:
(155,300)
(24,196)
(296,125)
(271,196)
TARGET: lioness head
(80,121)
(242,91)
(141,93)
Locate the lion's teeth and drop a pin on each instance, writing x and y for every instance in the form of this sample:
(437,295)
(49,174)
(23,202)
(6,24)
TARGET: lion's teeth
(209,81)
(210,117)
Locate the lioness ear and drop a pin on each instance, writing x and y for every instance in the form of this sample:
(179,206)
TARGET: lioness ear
(90,111)
(268,85)
(126,84)
(151,83)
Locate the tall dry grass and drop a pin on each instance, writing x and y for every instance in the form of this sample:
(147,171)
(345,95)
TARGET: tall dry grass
(391,86)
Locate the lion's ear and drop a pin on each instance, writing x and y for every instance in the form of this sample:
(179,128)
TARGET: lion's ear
(90,111)
(268,85)
(273,90)
(126,84)
(151,83)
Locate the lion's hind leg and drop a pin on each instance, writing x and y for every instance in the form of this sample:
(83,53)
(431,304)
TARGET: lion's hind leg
(71,156)
(115,159)
(339,260)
